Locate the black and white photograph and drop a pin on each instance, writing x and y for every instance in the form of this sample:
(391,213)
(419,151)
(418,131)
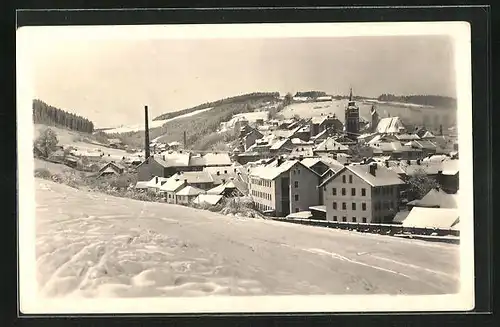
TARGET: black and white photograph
(245,168)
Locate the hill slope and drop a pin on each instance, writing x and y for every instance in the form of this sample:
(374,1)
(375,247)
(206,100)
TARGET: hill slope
(202,125)
(99,245)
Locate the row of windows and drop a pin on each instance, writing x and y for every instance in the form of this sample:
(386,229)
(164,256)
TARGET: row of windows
(376,190)
(263,207)
(296,171)
(353,191)
(378,205)
(261,195)
(353,206)
(261,182)
(344,219)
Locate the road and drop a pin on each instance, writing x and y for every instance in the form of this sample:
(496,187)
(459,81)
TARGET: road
(92,244)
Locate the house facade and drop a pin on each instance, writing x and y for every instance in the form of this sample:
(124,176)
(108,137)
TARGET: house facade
(362,193)
(285,188)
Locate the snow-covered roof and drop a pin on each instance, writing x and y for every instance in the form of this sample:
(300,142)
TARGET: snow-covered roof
(390,125)
(211,199)
(432,218)
(211,159)
(272,171)
(190,191)
(194,177)
(450,167)
(330,144)
(156,182)
(172,184)
(437,198)
(173,158)
(383,176)
(300,215)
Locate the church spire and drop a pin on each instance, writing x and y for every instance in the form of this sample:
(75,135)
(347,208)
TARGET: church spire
(350,94)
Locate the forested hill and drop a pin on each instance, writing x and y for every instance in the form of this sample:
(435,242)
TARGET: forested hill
(426,100)
(49,115)
(229,100)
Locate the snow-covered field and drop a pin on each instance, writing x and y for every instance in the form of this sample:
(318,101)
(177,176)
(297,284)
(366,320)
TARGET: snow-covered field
(94,245)
(152,124)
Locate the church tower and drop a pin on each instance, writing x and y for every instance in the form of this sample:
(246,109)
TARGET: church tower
(352,118)
(375,119)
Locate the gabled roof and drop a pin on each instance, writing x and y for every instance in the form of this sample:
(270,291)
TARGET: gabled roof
(210,159)
(280,143)
(330,144)
(422,144)
(232,185)
(406,137)
(190,191)
(156,182)
(107,170)
(390,125)
(310,162)
(437,198)
(272,171)
(383,176)
(117,165)
(432,218)
(194,177)
(211,199)
(172,184)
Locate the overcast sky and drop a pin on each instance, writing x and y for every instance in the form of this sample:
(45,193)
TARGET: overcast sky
(110,81)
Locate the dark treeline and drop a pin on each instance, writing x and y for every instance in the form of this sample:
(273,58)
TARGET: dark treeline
(311,94)
(229,100)
(49,115)
(427,100)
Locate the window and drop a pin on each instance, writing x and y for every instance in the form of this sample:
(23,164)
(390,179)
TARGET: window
(343,179)
(296,209)
(343,191)
(353,192)
(350,179)
(293,171)
(344,206)
(334,191)
(363,206)
(364,219)
(353,206)
(344,219)
(363,192)
(296,197)
(353,219)
(296,184)
(298,171)
(334,205)
(334,218)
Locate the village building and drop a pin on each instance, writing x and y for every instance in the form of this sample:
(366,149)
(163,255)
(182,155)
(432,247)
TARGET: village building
(171,187)
(396,150)
(442,218)
(362,193)
(187,194)
(211,159)
(115,143)
(283,187)
(427,147)
(390,125)
(435,198)
(330,146)
(200,179)
(155,183)
(449,176)
(165,164)
(281,146)
(249,135)
(208,199)
(232,188)
(323,123)
(111,168)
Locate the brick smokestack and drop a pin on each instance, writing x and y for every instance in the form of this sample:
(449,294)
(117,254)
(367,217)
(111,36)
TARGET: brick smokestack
(185,140)
(146,132)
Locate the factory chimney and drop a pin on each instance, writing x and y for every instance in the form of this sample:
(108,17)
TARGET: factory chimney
(184,140)
(146,132)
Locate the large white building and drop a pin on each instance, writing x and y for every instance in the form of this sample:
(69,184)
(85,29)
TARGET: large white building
(362,193)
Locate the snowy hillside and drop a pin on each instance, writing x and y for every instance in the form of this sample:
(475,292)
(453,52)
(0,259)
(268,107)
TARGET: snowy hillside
(152,124)
(98,245)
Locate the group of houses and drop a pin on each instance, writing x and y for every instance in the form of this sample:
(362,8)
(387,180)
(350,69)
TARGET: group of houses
(314,168)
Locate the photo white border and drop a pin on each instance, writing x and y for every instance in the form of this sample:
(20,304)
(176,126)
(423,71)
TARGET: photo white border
(31,304)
